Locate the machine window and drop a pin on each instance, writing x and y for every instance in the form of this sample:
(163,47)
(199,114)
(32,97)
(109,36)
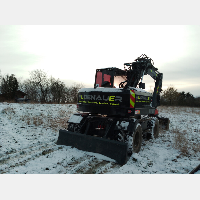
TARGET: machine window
(99,79)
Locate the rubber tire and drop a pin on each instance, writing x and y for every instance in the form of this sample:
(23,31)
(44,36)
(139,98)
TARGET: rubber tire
(137,139)
(70,127)
(156,129)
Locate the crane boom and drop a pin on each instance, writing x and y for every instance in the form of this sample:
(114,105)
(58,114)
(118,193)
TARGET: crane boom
(144,65)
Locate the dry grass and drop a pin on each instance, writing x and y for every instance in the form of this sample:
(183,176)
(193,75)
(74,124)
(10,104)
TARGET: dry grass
(62,113)
(46,121)
(183,144)
(58,123)
(32,120)
(8,111)
(179,109)
(188,126)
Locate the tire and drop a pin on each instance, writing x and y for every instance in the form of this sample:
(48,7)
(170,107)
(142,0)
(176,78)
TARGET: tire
(73,127)
(137,139)
(156,129)
(119,135)
(134,140)
(70,127)
(76,127)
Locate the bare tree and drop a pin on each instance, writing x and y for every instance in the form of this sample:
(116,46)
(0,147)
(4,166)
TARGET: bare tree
(170,96)
(57,89)
(41,83)
(74,92)
(29,87)
(40,88)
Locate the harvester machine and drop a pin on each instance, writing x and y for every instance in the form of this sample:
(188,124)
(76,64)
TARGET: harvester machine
(115,115)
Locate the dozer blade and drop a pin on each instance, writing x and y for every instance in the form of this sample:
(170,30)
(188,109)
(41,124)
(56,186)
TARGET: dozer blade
(113,149)
(164,123)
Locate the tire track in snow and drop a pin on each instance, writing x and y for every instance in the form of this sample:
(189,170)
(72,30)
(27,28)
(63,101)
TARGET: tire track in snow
(28,151)
(85,166)
(88,165)
(196,169)
(14,159)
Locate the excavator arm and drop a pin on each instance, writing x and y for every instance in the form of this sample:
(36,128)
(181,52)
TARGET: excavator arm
(143,65)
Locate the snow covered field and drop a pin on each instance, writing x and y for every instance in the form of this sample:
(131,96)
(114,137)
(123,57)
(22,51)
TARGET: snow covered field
(28,133)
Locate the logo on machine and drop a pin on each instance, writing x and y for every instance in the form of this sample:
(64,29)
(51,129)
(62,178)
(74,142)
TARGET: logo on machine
(100,98)
(142,97)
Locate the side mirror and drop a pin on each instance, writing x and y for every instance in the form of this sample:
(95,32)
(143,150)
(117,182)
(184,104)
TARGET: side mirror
(142,85)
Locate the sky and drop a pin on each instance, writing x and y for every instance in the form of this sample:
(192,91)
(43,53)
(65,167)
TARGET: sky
(72,53)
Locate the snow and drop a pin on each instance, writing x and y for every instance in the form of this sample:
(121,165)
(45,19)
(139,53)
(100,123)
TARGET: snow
(101,89)
(75,119)
(140,91)
(29,133)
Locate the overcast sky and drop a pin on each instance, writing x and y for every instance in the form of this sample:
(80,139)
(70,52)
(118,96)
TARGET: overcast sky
(72,53)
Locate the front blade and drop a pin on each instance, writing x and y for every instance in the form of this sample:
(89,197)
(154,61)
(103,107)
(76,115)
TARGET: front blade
(113,149)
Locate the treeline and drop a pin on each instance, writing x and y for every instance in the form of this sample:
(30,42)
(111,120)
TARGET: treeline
(39,88)
(170,97)
(43,89)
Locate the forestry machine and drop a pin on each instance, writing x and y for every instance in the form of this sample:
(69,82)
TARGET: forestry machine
(117,113)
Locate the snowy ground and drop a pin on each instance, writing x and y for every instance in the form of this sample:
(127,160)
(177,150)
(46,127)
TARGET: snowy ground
(28,133)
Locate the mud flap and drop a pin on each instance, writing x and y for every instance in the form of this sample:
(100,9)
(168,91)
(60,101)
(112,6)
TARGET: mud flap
(110,148)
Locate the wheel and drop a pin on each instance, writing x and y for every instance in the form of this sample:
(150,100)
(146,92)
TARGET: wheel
(76,127)
(73,127)
(155,129)
(135,140)
(70,127)
(119,135)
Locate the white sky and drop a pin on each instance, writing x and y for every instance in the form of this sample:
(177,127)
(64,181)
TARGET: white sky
(73,52)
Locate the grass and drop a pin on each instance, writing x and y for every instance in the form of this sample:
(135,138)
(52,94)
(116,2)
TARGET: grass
(46,121)
(186,118)
(179,109)
(183,144)
(8,111)
(40,119)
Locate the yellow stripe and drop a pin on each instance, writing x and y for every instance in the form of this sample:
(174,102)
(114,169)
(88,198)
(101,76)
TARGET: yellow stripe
(157,89)
(132,103)
(132,93)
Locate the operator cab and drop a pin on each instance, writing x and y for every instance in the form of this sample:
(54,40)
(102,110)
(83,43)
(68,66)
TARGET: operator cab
(112,78)
(109,77)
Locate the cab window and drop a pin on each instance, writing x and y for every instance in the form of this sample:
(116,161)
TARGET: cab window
(99,79)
